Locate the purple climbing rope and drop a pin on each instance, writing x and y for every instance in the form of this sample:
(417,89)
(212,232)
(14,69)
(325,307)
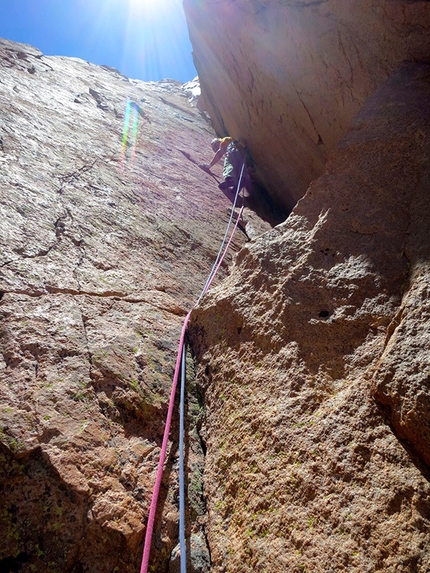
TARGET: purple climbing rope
(153,508)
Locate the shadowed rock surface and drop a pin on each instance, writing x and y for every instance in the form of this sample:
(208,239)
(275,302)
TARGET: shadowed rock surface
(288,76)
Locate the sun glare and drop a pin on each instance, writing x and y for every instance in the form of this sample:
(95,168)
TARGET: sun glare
(147,38)
(141,6)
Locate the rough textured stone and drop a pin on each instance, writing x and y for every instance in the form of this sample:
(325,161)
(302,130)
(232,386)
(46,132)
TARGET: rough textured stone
(288,76)
(312,355)
(104,250)
(304,470)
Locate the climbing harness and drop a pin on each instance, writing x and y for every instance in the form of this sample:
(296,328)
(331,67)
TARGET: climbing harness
(180,359)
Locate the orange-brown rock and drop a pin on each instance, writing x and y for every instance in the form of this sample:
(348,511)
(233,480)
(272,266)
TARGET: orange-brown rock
(312,394)
(314,360)
(105,248)
(288,76)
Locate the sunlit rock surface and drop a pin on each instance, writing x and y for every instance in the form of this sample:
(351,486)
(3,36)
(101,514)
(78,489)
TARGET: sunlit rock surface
(312,356)
(288,76)
(105,248)
(314,363)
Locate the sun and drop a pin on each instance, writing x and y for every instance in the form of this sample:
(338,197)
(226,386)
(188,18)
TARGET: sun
(142,6)
(146,39)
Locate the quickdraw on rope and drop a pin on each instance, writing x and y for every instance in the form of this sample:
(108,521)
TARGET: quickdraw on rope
(181,358)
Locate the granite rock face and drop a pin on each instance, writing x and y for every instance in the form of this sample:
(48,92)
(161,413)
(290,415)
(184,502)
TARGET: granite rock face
(313,357)
(106,243)
(311,395)
(314,354)
(288,76)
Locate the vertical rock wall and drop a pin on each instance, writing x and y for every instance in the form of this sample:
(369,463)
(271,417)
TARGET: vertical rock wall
(314,360)
(288,76)
(104,248)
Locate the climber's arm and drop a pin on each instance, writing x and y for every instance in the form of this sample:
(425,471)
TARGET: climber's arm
(218,155)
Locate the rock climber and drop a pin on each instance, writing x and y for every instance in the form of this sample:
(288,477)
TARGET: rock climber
(234,158)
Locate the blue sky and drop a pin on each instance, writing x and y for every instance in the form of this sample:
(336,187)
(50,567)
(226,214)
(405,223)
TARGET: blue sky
(143,39)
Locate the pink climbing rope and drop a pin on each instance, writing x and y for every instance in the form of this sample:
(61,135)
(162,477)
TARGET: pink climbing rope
(157,485)
(156,491)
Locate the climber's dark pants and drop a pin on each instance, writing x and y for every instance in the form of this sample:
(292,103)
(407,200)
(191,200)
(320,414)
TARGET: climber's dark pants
(230,193)
(229,188)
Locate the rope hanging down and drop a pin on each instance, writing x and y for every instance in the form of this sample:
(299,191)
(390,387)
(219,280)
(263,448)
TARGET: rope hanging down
(181,465)
(157,484)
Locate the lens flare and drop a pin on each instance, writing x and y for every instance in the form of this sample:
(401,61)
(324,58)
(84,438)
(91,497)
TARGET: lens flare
(129,136)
